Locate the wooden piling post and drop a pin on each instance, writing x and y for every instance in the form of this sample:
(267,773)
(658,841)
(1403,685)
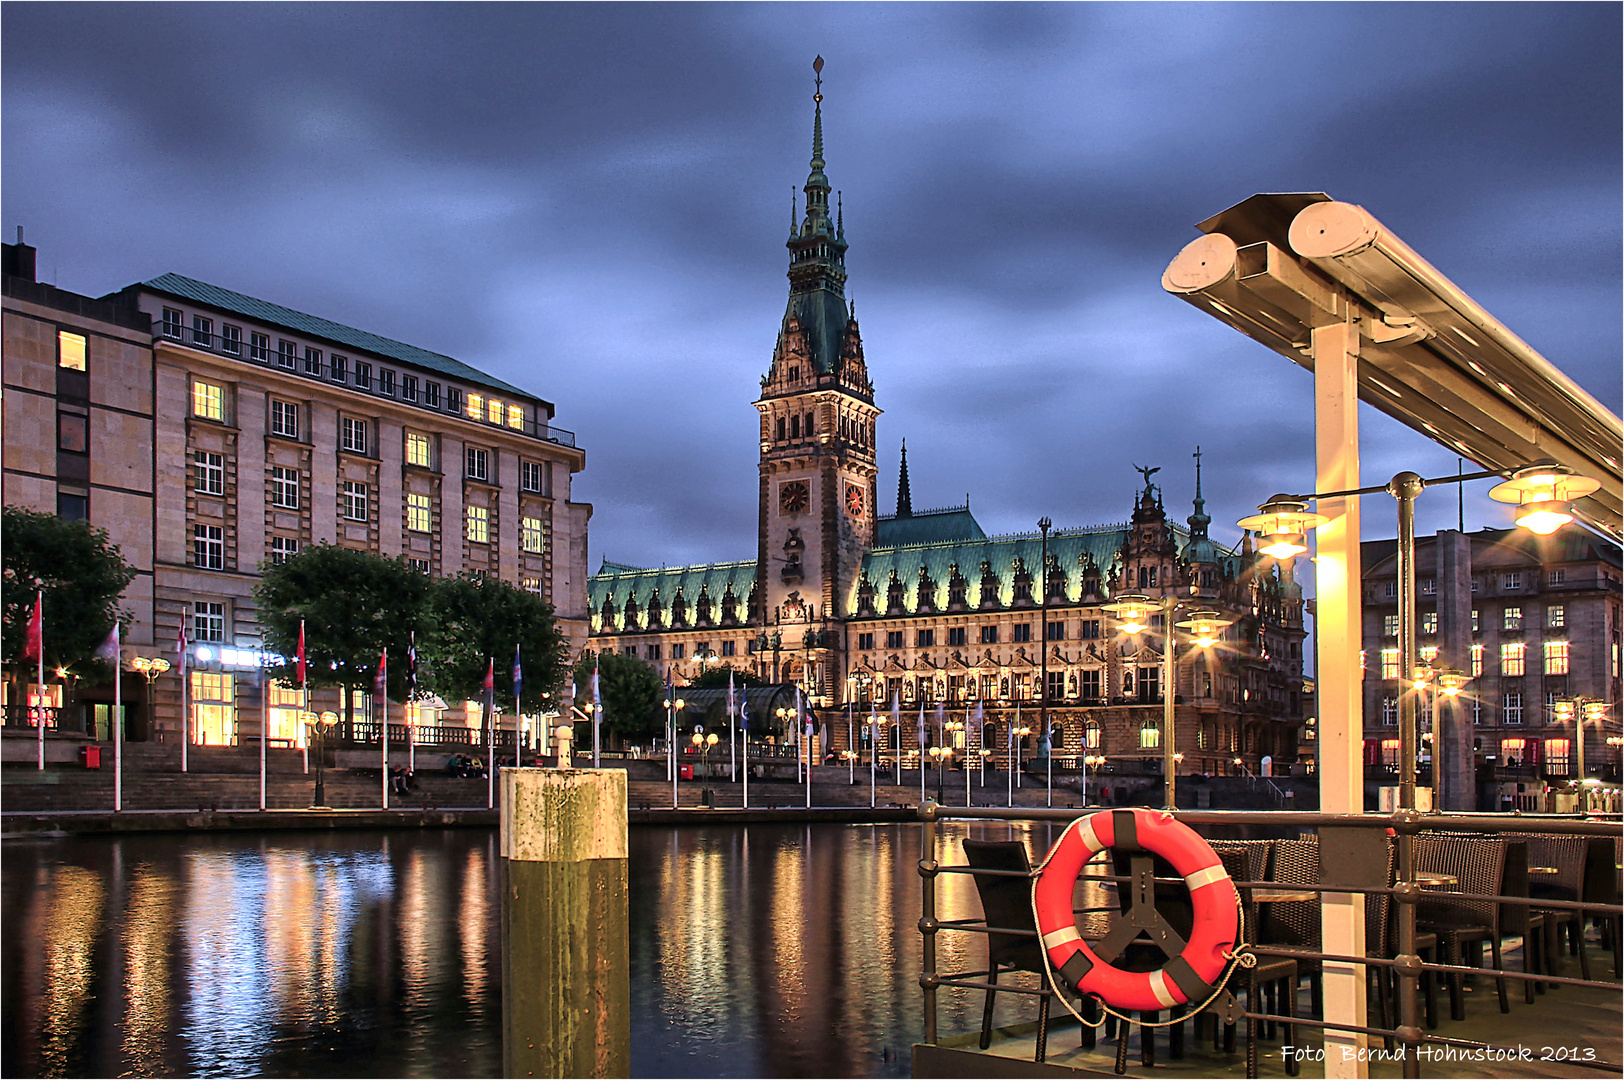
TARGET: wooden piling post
(566,994)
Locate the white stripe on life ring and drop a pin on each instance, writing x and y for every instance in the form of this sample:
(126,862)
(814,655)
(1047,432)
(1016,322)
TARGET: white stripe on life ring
(1060,937)
(1086,834)
(1206,877)
(1158,986)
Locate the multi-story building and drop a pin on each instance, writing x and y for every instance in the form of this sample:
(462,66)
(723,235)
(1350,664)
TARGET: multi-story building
(266,430)
(926,609)
(1543,627)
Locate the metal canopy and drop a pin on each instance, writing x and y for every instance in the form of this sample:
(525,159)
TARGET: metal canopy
(1277,265)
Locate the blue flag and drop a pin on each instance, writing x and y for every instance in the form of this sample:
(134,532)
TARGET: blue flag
(744,710)
(518,674)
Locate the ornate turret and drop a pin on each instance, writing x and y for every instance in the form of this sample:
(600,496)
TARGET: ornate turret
(1201,550)
(904,491)
(817,268)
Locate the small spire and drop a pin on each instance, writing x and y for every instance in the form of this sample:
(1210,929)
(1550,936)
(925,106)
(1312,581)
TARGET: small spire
(793,207)
(1199,520)
(904,494)
(840,215)
(817,116)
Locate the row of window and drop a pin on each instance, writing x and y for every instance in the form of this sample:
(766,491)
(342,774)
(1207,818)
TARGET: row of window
(679,650)
(1513,751)
(1511,709)
(308,359)
(1511,619)
(1513,659)
(208,541)
(958,635)
(1510,581)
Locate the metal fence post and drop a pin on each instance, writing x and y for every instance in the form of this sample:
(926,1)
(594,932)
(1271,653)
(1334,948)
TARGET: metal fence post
(928,978)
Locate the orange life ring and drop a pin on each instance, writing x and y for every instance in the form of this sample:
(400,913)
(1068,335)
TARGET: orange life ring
(1190,976)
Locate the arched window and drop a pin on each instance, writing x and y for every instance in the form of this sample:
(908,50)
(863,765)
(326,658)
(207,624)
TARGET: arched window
(1150,735)
(1093,737)
(795,427)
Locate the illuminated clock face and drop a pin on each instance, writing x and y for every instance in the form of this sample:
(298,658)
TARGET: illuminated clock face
(794,497)
(854,500)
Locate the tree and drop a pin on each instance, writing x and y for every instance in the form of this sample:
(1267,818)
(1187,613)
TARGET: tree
(716,678)
(475,623)
(630,690)
(82,575)
(354,605)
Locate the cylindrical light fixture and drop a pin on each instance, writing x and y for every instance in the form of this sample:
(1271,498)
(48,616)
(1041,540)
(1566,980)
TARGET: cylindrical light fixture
(1543,493)
(1281,524)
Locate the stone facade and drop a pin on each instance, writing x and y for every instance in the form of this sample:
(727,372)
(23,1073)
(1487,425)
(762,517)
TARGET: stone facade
(1538,622)
(227,433)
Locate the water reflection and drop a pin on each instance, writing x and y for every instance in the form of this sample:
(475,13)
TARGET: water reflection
(756,951)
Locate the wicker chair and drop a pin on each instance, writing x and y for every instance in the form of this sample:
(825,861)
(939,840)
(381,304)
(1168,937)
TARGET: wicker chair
(1006,903)
(1273,981)
(1567,855)
(1295,924)
(1478,866)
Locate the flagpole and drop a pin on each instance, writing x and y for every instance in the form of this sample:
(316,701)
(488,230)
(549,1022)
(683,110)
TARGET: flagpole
(732,756)
(118,723)
(490,734)
(264,725)
(304,700)
(383,721)
(744,716)
(185,680)
(873,753)
(39,656)
(1009,752)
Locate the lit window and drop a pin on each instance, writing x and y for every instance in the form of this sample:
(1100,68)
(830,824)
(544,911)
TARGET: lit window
(476,406)
(1475,627)
(209,473)
(1389,626)
(283,548)
(285,419)
(478,522)
(494,411)
(418,450)
(1150,736)
(531,585)
(208,401)
(70,351)
(1390,749)
(1429,622)
(1477,660)
(208,621)
(208,547)
(1556,616)
(284,488)
(1389,663)
(1556,756)
(354,435)
(515,416)
(355,501)
(418,514)
(1513,658)
(1429,653)
(1512,619)
(530,536)
(1556,658)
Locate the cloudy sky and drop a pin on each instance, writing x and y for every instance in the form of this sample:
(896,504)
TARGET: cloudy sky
(592,201)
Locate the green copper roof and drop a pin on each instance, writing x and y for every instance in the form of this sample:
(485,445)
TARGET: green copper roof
(618,582)
(930,527)
(276,315)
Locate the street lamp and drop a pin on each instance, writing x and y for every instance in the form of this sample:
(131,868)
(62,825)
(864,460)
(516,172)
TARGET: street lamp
(151,667)
(1541,490)
(1013,761)
(1091,761)
(1579,711)
(320,723)
(942,755)
(673,706)
(1204,626)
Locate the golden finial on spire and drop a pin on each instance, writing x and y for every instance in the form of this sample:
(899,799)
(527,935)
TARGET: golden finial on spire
(817,70)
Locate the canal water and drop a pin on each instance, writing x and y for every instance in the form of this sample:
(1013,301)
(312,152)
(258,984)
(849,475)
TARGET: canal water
(760,950)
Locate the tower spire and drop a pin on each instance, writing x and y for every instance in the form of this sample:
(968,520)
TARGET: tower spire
(904,493)
(1199,520)
(817,263)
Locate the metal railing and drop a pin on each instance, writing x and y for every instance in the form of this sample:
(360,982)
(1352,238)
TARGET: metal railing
(1406,963)
(238,348)
(28,716)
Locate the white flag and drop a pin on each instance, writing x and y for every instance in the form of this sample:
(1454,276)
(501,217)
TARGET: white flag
(109,649)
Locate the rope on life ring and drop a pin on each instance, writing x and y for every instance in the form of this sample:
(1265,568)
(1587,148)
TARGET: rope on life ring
(1200,971)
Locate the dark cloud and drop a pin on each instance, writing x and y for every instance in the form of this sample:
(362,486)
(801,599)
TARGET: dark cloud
(591,201)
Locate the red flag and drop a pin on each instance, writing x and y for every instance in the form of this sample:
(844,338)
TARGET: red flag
(299,657)
(34,642)
(180,645)
(490,675)
(382,680)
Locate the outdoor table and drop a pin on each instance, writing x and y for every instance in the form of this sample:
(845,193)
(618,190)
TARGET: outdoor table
(1283,896)
(1431,879)
(1542,870)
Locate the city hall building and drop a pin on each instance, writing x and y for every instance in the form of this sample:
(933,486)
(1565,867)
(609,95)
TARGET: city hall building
(860,609)
(212,433)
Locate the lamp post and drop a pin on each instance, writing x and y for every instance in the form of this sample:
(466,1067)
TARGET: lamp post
(1014,762)
(673,706)
(320,723)
(1580,711)
(151,667)
(1542,492)
(1204,626)
(941,754)
(1090,761)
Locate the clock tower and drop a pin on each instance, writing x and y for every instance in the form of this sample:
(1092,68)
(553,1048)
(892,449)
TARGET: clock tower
(817,418)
